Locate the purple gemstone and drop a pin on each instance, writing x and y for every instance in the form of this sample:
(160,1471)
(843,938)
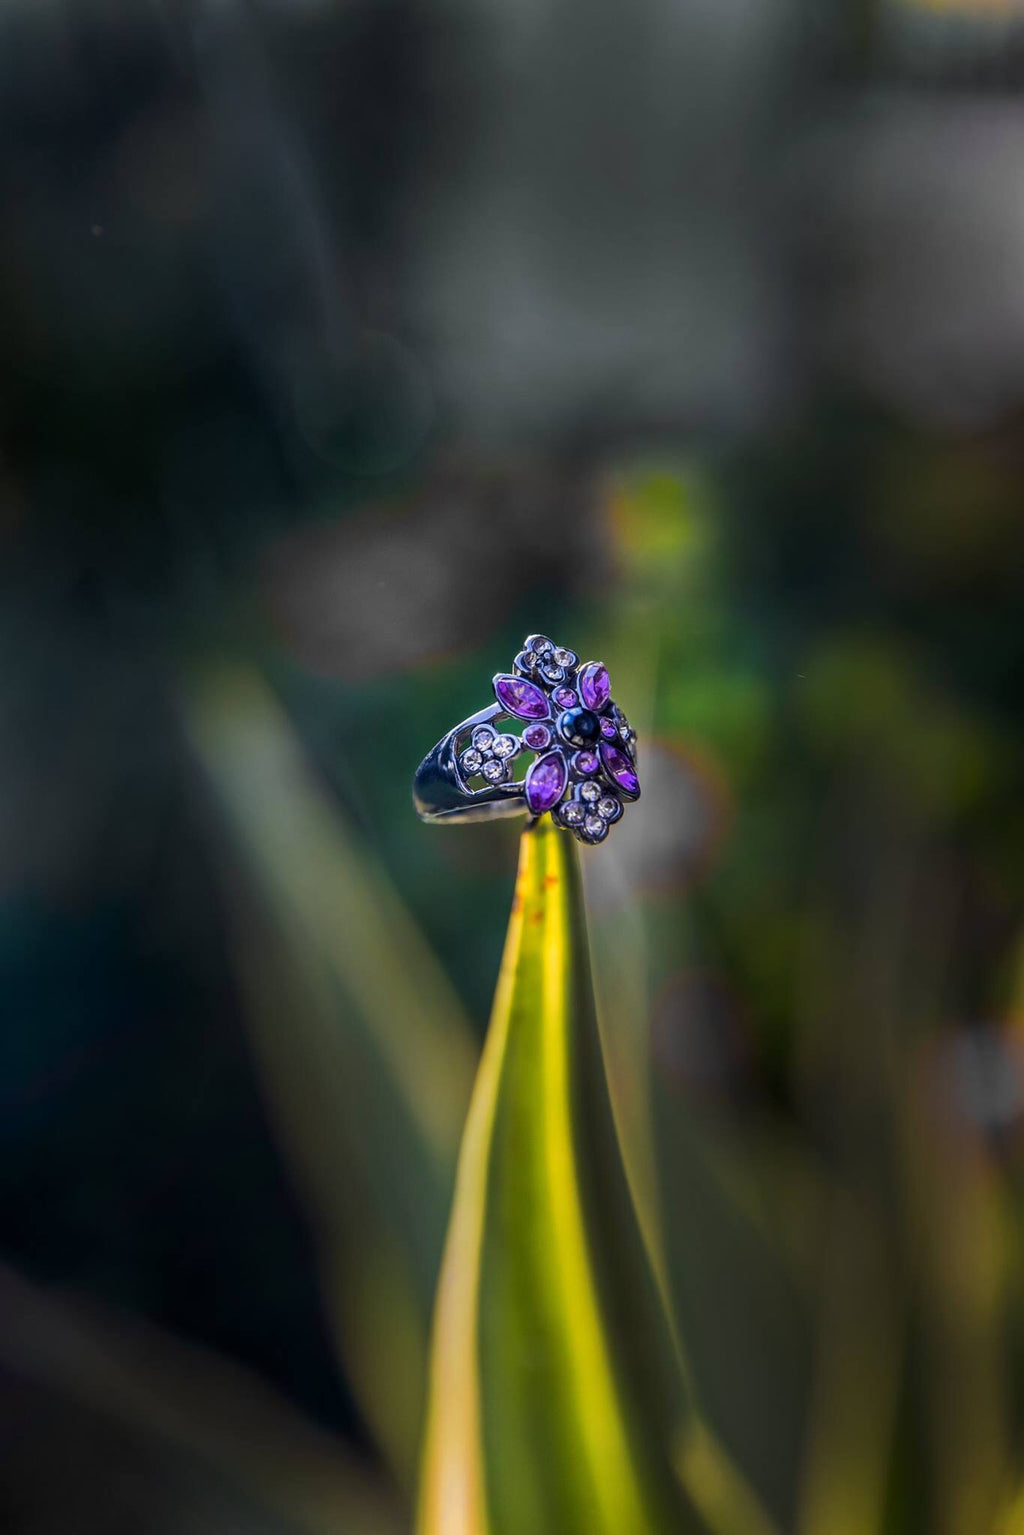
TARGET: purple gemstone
(586,762)
(609,730)
(565,698)
(545,782)
(619,767)
(537,737)
(595,687)
(517,696)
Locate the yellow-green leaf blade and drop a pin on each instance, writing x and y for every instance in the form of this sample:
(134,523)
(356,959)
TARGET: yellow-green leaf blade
(550,1407)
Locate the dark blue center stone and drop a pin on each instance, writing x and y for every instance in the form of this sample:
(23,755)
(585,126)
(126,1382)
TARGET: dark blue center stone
(580,727)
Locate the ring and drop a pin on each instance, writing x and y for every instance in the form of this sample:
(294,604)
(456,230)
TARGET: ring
(583,764)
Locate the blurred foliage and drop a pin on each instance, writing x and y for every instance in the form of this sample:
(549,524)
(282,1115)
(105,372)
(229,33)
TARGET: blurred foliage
(224,1451)
(366,1063)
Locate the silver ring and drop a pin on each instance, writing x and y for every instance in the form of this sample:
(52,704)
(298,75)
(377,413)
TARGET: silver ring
(575,744)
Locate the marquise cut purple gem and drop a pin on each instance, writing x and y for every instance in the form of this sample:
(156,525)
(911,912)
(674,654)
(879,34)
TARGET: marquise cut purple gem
(519,697)
(545,782)
(621,770)
(595,687)
(537,737)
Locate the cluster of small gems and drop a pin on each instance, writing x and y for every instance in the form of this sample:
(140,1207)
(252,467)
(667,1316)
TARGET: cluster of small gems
(490,756)
(542,659)
(591,813)
(585,767)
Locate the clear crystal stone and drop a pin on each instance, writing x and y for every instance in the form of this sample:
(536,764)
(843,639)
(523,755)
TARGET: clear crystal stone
(528,660)
(505,746)
(625,732)
(590,792)
(564,657)
(607,807)
(595,827)
(542,646)
(471,761)
(572,814)
(482,735)
(551,672)
(493,770)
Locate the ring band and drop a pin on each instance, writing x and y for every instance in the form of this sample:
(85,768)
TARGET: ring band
(439,789)
(583,769)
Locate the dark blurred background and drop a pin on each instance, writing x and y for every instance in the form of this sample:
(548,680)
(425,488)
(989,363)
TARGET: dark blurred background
(344,342)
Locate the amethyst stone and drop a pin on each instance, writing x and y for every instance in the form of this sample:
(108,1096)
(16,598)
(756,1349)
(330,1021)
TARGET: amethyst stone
(518,696)
(545,782)
(537,737)
(586,762)
(580,727)
(618,766)
(595,687)
(609,729)
(565,698)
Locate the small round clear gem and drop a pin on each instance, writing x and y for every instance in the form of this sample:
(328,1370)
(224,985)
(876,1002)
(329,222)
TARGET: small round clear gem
(595,827)
(590,792)
(552,673)
(607,807)
(482,736)
(625,732)
(505,746)
(493,770)
(564,657)
(528,660)
(572,813)
(542,646)
(471,760)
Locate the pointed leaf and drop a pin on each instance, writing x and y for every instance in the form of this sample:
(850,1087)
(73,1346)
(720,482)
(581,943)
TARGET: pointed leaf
(552,1397)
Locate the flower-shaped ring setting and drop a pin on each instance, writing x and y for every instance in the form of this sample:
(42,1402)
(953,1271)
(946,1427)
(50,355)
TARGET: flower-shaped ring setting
(554,742)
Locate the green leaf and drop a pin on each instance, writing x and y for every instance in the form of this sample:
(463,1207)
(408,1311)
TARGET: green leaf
(553,1393)
(178,1429)
(365,1055)
(740,1314)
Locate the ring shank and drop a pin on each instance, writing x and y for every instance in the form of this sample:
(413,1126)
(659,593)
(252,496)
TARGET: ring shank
(440,794)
